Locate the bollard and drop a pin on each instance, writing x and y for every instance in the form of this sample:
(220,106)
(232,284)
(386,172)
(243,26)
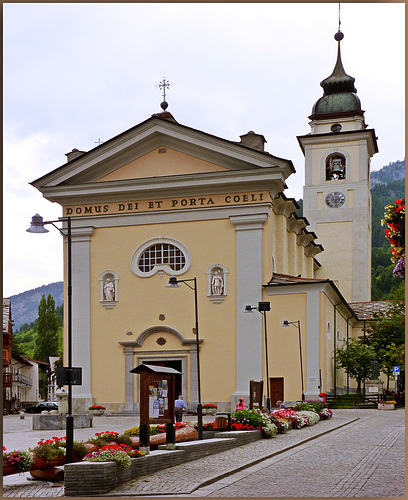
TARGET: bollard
(22,415)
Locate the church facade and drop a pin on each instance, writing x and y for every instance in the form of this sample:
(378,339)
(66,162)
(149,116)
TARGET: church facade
(164,200)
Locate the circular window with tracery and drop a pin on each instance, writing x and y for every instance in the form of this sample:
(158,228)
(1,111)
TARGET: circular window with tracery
(160,255)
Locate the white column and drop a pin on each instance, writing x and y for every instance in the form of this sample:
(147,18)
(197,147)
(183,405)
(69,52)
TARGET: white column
(311,374)
(81,315)
(249,291)
(129,379)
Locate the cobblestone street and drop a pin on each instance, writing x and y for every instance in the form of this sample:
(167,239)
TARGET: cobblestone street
(357,453)
(363,459)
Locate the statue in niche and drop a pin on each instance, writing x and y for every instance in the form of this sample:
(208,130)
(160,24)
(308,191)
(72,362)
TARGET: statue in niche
(217,283)
(109,290)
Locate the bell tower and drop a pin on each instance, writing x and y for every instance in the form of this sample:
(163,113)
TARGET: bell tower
(336,195)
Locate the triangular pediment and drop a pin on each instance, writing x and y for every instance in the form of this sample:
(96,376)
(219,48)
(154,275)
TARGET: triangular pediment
(160,155)
(160,162)
(136,154)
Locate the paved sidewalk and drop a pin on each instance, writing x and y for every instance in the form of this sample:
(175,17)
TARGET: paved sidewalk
(184,479)
(197,477)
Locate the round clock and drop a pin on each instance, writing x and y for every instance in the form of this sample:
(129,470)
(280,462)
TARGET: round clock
(335,199)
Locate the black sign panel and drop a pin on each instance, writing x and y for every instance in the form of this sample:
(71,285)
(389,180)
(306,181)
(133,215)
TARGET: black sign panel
(68,376)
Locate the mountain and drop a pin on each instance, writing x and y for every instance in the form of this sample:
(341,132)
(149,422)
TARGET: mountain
(394,171)
(24,306)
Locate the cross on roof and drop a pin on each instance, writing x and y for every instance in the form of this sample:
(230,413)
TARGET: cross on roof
(163,85)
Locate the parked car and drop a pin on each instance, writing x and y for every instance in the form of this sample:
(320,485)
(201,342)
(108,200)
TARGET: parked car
(50,405)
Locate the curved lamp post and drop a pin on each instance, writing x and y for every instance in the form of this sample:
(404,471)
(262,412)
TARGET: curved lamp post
(174,283)
(297,325)
(262,308)
(37,226)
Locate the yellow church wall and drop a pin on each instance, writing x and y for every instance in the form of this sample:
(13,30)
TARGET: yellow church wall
(330,233)
(143,300)
(283,342)
(328,345)
(156,164)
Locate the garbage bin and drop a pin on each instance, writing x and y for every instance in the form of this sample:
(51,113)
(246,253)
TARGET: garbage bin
(221,422)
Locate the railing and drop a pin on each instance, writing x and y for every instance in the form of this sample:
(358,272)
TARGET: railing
(353,401)
(20,379)
(10,379)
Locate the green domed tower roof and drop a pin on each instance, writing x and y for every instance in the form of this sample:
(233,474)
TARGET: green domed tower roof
(339,94)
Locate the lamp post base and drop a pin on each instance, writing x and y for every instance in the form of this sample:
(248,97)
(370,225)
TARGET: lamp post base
(200,420)
(70,439)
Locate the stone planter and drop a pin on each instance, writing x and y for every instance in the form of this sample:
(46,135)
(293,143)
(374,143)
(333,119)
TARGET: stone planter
(97,413)
(209,411)
(385,406)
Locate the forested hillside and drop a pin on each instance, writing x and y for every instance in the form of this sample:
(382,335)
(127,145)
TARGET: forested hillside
(24,306)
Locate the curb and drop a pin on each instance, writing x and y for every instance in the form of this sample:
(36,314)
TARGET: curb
(266,457)
(223,475)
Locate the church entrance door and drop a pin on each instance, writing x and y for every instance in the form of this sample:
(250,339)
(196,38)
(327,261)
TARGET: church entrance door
(276,389)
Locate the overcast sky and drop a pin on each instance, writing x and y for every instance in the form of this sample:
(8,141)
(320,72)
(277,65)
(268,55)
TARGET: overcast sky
(76,73)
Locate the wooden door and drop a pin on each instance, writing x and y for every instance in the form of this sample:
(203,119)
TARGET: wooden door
(276,387)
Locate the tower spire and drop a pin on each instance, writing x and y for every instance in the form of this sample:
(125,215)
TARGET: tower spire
(339,92)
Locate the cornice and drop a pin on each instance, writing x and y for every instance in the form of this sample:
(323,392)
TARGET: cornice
(272,179)
(338,138)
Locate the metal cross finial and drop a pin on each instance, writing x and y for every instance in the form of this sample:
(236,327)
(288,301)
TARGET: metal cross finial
(339,17)
(163,85)
(99,142)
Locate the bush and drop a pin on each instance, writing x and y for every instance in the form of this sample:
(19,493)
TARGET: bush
(20,459)
(118,456)
(50,449)
(316,406)
(254,418)
(108,436)
(80,449)
(269,430)
(311,417)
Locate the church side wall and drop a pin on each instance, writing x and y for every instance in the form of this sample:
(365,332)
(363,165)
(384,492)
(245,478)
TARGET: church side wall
(283,343)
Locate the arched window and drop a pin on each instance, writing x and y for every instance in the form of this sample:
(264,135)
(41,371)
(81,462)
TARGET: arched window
(335,167)
(160,255)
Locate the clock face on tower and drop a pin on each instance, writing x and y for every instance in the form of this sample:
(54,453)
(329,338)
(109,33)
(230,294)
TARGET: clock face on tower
(335,199)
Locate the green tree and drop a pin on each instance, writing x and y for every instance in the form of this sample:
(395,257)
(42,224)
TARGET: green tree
(356,357)
(386,335)
(46,343)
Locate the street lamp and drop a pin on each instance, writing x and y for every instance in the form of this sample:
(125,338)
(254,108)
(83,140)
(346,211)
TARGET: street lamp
(262,308)
(174,283)
(297,325)
(37,226)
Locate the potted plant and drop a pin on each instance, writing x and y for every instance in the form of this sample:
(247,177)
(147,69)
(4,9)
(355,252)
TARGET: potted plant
(16,461)
(209,409)
(49,452)
(97,410)
(387,405)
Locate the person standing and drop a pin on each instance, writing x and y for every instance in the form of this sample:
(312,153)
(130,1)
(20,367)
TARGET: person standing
(179,407)
(241,405)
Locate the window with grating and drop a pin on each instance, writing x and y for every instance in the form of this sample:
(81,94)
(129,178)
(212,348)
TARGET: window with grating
(161,254)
